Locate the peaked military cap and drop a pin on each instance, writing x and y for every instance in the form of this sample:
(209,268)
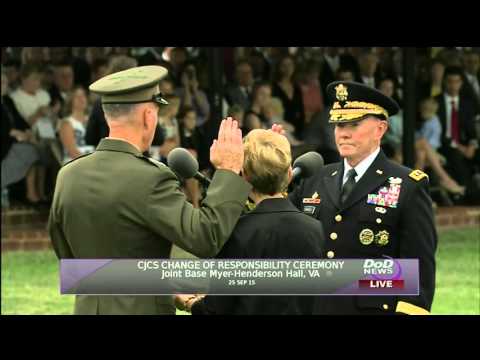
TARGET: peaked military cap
(131,86)
(354,101)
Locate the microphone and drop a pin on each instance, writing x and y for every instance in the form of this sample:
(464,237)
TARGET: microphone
(185,165)
(307,164)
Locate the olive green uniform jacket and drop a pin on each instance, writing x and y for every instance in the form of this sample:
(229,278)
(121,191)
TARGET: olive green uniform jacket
(116,203)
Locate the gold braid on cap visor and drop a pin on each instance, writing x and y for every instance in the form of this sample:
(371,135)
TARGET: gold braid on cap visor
(355,109)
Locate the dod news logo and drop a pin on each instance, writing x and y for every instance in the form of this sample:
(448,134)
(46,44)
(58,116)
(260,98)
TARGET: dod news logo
(381,274)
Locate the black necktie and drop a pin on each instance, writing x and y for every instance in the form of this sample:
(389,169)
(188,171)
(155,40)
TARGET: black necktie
(349,185)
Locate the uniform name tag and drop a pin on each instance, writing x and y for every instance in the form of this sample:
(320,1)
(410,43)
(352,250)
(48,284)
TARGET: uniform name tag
(310,210)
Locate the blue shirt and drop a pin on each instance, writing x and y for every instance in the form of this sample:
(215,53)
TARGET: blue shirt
(431,130)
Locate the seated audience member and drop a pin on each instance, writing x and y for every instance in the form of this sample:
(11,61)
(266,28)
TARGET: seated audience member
(432,87)
(262,93)
(72,129)
(189,136)
(427,142)
(168,121)
(260,66)
(345,74)
(285,88)
(241,92)
(274,113)
(12,72)
(459,135)
(368,63)
(99,69)
(32,102)
(36,56)
(191,95)
(333,60)
(237,112)
(275,229)
(393,138)
(167,87)
(18,151)
(311,90)
(178,57)
(63,82)
(252,122)
(190,140)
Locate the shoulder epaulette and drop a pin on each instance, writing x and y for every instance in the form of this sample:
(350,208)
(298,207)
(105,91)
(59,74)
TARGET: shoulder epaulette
(81,156)
(417,175)
(153,161)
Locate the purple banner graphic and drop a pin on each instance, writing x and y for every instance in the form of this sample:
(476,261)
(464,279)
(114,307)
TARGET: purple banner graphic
(386,276)
(74,270)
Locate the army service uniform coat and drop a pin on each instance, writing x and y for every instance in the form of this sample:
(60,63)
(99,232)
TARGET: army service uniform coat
(116,203)
(362,229)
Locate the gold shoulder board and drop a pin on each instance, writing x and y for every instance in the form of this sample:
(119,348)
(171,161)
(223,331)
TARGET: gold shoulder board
(418,175)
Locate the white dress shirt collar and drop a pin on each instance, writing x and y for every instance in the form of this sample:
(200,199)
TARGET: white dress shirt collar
(449,99)
(361,167)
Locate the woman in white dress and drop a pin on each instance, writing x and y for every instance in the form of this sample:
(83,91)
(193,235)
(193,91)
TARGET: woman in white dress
(72,129)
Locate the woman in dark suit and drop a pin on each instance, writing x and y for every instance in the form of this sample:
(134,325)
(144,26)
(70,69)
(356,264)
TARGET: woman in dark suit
(274,229)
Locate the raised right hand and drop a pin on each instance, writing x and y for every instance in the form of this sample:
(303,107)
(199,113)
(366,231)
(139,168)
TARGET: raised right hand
(226,152)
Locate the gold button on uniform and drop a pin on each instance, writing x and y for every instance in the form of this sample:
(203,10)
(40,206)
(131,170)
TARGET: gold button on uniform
(330,254)
(385,306)
(333,236)
(379,221)
(338,218)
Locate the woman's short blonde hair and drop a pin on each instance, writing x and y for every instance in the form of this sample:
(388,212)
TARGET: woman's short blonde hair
(267,160)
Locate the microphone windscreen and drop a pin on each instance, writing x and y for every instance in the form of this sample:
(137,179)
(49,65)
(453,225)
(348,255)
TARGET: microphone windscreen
(183,163)
(309,162)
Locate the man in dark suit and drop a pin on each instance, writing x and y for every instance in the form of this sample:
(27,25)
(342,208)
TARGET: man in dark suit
(369,206)
(63,81)
(459,136)
(275,229)
(369,74)
(241,92)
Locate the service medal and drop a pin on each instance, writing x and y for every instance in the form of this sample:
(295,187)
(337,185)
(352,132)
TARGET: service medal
(366,236)
(381,238)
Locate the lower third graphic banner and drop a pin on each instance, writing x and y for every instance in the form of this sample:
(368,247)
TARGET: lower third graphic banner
(239,276)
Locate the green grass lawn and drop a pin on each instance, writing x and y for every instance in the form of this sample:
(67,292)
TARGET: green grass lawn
(458,273)
(30,283)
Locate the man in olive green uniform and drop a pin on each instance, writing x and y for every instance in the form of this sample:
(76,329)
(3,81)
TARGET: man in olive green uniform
(117,203)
